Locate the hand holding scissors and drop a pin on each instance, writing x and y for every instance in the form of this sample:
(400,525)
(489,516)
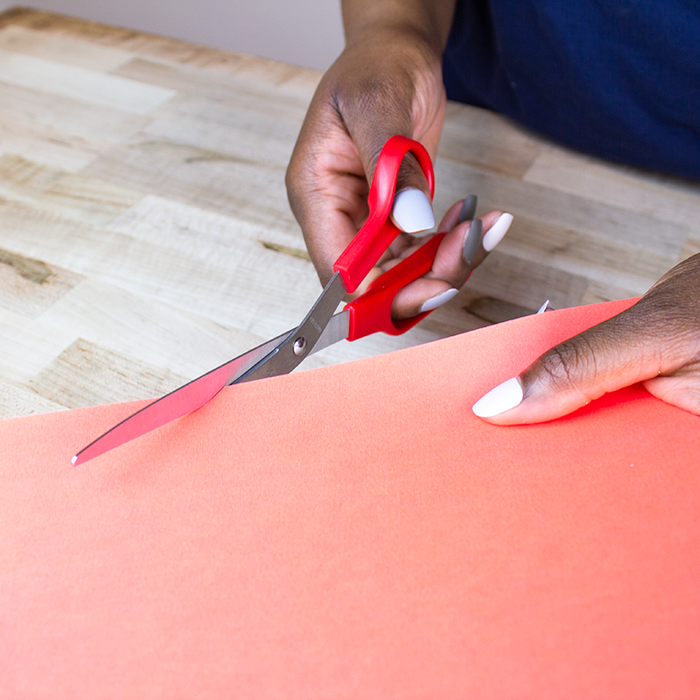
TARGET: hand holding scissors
(367,314)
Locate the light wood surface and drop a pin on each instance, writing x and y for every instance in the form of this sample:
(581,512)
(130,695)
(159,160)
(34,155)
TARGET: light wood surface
(145,234)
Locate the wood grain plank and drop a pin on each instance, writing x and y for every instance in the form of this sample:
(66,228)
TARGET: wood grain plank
(527,283)
(102,34)
(251,111)
(158,47)
(291,80)
(68,116)
(255,142)
(656,196)
(253,192)
(602,291)
(61,49)
(225,87)
(171,262)
(189,344)
(86,374)
(29,286)
(150,331)
(81,84)
(90,200)
(559,209)
(20,401)
(26,347)
(24,231)
(44,144)
(24,179)
(485,140)
(207,260)
(579,253)
(493,310)
(691,246)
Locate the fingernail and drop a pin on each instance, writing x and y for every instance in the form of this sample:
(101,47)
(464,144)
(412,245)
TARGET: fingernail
(438,300)
(502,398)
(412,211)
(472,242)
(468,209)
(495,234)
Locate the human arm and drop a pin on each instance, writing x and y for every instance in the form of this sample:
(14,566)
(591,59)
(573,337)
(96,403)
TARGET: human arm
(387,81)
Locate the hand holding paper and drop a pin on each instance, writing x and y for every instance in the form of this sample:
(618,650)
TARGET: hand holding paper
(655,342)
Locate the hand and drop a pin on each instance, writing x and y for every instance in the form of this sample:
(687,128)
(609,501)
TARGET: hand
(655,342)
(387,81)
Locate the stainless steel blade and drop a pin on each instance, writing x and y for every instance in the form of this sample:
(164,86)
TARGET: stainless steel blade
(337,329)
(289,354)
(278,356)
(177,403)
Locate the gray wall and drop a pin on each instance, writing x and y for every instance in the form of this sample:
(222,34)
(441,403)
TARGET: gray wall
(304,32)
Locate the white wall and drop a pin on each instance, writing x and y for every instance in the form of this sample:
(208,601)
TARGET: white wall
(304,32)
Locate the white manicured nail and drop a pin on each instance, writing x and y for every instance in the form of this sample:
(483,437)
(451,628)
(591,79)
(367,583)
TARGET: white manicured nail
(495,234)
(438,300)
(412,211)
(502,398)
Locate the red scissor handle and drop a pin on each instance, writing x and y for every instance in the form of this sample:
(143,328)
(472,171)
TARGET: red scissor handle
(371,312)
(378,232)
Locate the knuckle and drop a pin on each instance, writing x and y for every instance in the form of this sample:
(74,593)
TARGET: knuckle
(565,366)
(675,298)
(374,99)
(556,366)
(291,179)
(691,398)
(678,390)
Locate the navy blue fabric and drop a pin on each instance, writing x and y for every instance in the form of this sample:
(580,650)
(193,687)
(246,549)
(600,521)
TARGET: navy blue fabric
(618,79)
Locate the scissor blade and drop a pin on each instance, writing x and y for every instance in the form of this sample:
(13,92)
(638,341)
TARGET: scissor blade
(278,356)
(337,329)
(200,391)
(301,343)
(178,403)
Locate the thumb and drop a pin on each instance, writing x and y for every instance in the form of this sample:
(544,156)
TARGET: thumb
(412,210)
(370,122)
(638,345)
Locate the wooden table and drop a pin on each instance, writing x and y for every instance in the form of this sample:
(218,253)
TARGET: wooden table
(145,234)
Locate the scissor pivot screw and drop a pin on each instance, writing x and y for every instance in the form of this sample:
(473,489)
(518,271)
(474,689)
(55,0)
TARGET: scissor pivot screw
(299,346)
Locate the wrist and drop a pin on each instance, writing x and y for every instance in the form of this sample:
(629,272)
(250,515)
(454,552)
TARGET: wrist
(425,21)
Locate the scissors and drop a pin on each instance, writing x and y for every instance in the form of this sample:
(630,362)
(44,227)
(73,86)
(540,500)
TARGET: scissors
(322,327)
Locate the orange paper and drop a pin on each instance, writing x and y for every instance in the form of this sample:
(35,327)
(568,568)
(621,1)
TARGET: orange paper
(355,532)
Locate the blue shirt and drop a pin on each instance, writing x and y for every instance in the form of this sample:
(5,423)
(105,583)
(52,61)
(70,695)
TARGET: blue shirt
(618,79)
